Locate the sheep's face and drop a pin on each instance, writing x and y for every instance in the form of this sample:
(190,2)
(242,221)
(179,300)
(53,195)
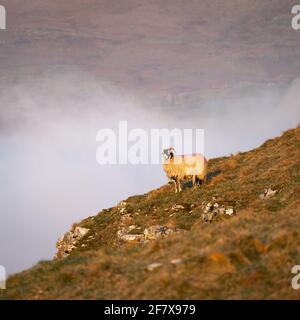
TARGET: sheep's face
(168,153)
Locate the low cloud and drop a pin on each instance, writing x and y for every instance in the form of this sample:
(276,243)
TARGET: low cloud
(49,174)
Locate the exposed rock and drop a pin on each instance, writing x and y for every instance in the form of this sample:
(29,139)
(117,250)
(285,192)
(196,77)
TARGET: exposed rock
(70,241)
(153,266)
(213,209)
(131,237)
(229,211)
(122,207)
(268,193)
(151,233)
(155,232)
(177,207)
(122,210)
(123,234)
(176,261)
(122,204)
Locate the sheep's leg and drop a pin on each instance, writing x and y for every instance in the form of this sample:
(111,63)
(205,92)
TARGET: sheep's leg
(194,180)
(175,185)
(198,181)
(179,185)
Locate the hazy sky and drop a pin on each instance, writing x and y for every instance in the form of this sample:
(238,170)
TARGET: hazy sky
(48,125)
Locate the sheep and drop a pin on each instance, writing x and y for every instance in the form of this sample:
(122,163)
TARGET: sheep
(180,167)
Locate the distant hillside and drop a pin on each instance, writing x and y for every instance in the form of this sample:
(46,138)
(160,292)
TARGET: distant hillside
(182,51)
(237,237)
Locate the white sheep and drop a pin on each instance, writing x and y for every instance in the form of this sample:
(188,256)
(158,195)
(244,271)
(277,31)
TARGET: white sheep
(180,167)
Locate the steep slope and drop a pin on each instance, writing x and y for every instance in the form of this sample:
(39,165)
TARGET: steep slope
(238,236)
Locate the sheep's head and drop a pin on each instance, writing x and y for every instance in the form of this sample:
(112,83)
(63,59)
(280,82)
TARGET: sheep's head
(168,153)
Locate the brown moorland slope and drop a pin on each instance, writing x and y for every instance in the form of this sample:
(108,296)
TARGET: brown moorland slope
(221,241)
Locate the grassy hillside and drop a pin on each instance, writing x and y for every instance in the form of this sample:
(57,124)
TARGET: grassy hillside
(204,252)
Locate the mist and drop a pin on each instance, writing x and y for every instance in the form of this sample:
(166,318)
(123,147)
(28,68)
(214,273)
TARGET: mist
(49,174)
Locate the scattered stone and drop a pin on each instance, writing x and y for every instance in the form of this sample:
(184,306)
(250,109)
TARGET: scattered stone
(229,211)
(268,193)
(177,207)
(153,266)
(176,261)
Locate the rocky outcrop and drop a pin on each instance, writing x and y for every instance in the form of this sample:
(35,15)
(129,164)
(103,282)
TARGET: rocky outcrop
(212,210)
(155,232)
(151,233)
(67,243)
(128,232)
